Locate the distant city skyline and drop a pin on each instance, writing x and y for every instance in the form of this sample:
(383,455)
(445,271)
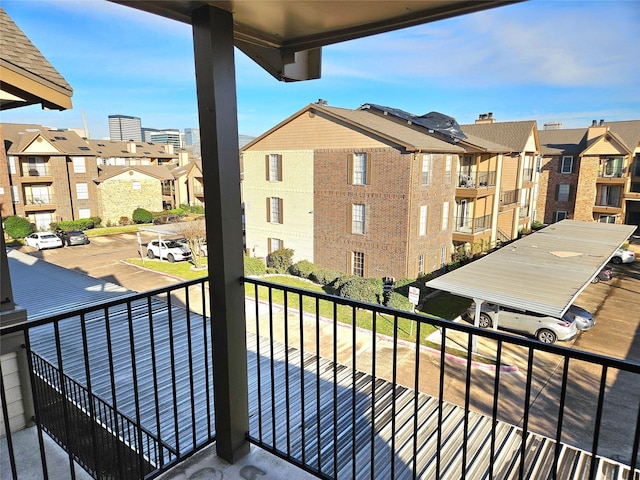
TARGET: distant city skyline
(549,61)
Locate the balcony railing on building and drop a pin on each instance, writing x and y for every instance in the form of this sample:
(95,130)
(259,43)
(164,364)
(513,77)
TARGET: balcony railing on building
(471,225)
(39,199)
(609,200)
(126,388)
(198,188)
(471,180)
(40,170)
(612,172)
(527,175)
(509,197)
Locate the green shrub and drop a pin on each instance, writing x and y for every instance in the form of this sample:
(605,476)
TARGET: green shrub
(303,268)
(280,260)
(254,266)
(17,227)
(361,289)
(80,224)
(198,209)
(324,277)
(400,302)
(140,215)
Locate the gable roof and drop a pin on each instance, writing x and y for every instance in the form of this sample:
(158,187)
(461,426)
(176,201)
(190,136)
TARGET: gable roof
(514,135)
(562,142)
(27,77)
(160,172)
(113,149)
(18,137)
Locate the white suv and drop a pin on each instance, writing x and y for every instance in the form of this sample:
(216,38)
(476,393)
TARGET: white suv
(170,249)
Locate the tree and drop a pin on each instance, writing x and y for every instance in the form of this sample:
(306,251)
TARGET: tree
(196,237)
(140,215)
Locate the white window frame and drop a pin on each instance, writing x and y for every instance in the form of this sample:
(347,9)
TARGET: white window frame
(274,167)
(15,194)
(84,213)
(359,169)
(606,218)
(275,244)
(443,256)
(448,163)
(135,185)
(82,191)
(427,160)
(560,213)
(274,210)
(79,165)
(445,215)
(564,159)
(358,218)
(564,190)
(12,164)
(423,216)
(357,263)
(421,265)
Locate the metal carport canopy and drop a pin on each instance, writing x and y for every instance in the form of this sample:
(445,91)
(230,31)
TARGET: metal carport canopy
(543,272)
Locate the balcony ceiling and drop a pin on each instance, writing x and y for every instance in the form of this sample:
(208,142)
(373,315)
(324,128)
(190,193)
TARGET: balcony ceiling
(270,32)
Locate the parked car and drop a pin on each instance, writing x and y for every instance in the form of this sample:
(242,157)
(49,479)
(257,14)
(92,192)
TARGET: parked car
(623,255)
(42,240)
(605,274)
(169,249)
(581,317)
(545,328)
(72,237)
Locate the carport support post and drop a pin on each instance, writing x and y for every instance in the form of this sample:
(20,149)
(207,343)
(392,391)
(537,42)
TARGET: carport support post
(217,111)
(476,321)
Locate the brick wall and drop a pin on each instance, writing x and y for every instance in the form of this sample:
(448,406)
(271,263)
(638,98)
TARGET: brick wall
(119,199)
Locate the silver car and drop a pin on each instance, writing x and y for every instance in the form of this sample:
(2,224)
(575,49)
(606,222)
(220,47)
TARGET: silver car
(545,328)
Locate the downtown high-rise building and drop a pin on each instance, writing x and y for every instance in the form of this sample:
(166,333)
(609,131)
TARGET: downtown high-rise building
(125,128)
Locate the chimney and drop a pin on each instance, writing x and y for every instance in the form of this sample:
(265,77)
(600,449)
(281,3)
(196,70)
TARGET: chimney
(131,147)
(601,122)
(485,118)
(594,123)
(596,130)
(168,148)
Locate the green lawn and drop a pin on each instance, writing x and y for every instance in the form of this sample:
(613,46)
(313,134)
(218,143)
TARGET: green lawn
(182,270)
(95,232)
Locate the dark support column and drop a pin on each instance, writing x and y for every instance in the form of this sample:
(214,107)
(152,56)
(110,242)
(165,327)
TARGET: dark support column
(217,109)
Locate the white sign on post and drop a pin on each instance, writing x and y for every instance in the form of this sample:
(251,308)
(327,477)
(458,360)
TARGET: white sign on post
(414,295)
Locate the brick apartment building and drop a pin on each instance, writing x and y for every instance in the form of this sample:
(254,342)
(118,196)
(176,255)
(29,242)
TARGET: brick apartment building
(53,175)
(591,174)
(379,192)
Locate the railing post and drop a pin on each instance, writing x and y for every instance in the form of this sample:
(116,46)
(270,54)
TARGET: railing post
(217,111)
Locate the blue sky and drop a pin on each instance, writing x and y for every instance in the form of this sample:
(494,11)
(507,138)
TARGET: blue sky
(550,61)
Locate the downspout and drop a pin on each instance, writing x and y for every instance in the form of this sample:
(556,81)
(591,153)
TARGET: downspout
(410,208)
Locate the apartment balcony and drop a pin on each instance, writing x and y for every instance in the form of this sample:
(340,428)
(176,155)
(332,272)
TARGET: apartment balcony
(509,198)
(198,189)
(608,204)
(126,388)
(40,174)
(523,212)
(475,186)
(39,202)
(612,176)
(527,175)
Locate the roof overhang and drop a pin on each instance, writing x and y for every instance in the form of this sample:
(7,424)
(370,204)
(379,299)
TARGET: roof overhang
(20,88)
(543,272)
(285,37)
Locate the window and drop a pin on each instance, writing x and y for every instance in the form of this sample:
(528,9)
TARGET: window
(357,218)
(613,167)
(274,210)
(79,165)
(445,215)
(447,168)
(607,219)
(274,167)
(563,192)
(84,213)
(560,215)
(359,169)
(274,244)
(37,166)
(135,185)
(423,220)
(12,165)
(82,191)
(420,265)
(1,190)
(426,168)
(357,263)
(443,256)
(610,196)
(15,195)
(567,164)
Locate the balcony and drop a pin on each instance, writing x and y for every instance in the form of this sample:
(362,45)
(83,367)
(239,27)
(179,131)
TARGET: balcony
(198,189)
(616,176)
(474,186)
(508,198)
(36,174)
(126,388)
(608,204)
(527,175)
(523,212)
(39,202)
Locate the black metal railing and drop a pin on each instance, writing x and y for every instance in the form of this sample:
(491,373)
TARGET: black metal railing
(340,388)
(473,180)
(609,200)
(471,225)
(509,197)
